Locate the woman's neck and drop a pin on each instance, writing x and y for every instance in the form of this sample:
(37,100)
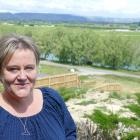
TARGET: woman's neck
(22,107)
(18,104)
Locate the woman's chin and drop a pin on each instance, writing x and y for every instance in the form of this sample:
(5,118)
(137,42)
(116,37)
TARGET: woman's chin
(22,93)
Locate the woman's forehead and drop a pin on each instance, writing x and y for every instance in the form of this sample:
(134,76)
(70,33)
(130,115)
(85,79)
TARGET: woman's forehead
(22,56)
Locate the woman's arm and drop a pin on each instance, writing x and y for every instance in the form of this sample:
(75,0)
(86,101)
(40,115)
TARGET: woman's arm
(69,125)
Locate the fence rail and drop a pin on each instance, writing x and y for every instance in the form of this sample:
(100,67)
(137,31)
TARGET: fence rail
(56,81)
(109,87)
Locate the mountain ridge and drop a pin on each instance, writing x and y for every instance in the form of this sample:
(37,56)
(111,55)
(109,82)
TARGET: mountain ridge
(56,18)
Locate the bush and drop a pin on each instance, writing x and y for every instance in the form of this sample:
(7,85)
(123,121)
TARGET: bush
(105,121)
(68,93)
(132,135)
(135,108)
(113,127)
(138,97)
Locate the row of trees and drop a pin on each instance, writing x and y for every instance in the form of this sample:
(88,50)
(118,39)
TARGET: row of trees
(88,47)
(82,46)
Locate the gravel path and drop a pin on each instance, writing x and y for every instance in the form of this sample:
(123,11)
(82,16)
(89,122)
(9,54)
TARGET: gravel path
(82,70)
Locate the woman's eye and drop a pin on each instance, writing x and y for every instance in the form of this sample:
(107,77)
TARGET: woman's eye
(29,68)
(13,70)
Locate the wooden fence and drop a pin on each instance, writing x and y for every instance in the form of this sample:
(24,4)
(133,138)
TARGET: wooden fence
(65,80)
(109,87)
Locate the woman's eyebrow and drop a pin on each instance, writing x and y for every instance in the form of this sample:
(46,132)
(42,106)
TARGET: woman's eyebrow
(9,66)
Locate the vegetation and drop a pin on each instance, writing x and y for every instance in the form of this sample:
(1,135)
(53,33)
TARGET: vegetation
(113,126)
(51,70)
(132,135)
(107,122)
(138,97)
(97,46)
(68,93)
(130,121)
(135,108)
(87,102)
(78,45)
(115,95)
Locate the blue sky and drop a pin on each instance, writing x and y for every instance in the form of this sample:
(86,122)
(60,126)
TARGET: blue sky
(106,8)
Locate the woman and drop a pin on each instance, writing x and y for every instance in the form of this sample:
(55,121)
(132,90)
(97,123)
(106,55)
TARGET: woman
(27,113)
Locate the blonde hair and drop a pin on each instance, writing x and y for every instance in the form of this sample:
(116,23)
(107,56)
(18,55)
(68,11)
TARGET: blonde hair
(10,43)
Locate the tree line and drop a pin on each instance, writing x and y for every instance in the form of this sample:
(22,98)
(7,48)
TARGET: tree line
(88,47)
(82,46)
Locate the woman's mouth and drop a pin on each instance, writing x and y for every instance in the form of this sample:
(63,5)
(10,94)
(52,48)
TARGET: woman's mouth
(22,85)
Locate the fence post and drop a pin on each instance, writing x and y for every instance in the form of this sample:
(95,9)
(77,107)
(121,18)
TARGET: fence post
(49,82)
(64,79)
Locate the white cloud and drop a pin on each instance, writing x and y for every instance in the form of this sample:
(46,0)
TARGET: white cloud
(113,5)
(79,7)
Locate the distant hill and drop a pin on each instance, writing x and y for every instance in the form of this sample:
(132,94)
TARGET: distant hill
(58,18)
(48,17)
(113,20)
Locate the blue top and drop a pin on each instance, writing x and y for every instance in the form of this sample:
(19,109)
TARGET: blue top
(53,122)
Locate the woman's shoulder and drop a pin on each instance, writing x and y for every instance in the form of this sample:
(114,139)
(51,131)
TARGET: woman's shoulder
(53,100)
(51,93)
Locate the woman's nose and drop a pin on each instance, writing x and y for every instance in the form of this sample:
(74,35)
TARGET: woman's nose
(22,75)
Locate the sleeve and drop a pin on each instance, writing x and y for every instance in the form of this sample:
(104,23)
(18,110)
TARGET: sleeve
(68,122)
(69,125)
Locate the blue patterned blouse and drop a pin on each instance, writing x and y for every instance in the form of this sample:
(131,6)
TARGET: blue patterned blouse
(53,122)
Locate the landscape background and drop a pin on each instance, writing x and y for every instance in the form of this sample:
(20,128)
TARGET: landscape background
(100,42)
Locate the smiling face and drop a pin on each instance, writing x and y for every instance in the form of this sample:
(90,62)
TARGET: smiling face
(20,73)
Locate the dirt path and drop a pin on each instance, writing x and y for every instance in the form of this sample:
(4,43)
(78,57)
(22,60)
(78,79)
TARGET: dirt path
(82,70)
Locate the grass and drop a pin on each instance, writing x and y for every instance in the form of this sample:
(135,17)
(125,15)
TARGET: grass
(108,123)
(83,77)
(129,72)
(105,121)
(129,84)
(52,70)
(122,78)
(115,95)
(87,102)
(132,135)
(135,72)
(138,97)
(68,93)
(135,109)
(112,78)
(130,121)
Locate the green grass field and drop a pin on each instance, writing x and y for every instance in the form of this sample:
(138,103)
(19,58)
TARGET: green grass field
(52,70)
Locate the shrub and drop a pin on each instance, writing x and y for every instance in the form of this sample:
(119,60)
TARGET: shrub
(107,123)
(135,108)
(138,97)
(89,131)
(132,135)
(115,95)
(68,93)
